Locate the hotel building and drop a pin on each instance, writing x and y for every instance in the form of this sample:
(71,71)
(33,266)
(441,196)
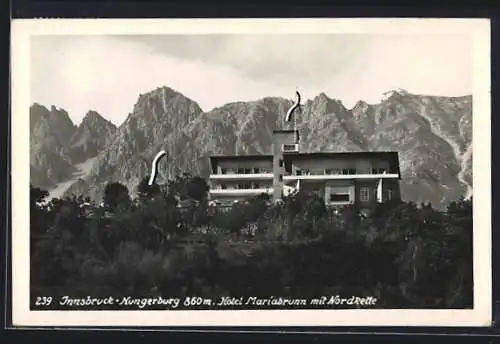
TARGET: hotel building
(340,178)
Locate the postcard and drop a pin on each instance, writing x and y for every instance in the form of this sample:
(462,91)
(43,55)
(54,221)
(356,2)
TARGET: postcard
(251,172)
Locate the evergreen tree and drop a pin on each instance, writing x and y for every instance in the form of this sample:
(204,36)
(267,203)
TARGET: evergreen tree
(197,189)
(116,196)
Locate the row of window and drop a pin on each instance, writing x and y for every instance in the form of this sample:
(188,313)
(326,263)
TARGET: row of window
(364,192)
(348,171)
(255,170)
(305,172)
(243,186)
(364,195)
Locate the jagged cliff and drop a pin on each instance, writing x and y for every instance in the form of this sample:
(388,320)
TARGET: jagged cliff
(57,146)
(93,133)
(50,132)
(432,134)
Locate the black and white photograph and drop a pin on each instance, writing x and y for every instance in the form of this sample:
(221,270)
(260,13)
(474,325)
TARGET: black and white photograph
(214,172)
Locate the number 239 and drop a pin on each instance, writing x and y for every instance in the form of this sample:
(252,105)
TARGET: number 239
(43,301)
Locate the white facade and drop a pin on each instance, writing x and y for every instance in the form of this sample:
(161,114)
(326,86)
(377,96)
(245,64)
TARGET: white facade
(339,179)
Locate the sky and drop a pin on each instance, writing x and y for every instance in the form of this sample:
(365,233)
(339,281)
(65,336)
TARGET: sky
(108,73)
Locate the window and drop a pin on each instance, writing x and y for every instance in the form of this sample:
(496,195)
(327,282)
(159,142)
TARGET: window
(241,170)
(247,170)
(336,171)
(328,171)
(298,172)
(223,170)
(389,194)
(345,171)
(223,186)
(256,170)
(289,147)
(281,162)
(339,198)
(281,177)
(378,170)
(364,194)
(351,171)
(256,186)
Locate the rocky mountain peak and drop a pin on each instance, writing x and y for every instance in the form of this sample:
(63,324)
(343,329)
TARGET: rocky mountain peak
(38,107)
(56,121)
(162,105)
(164,94)
(91,136)
(322,97)
(395,94)
(360,104)
(93,119)
(322,104)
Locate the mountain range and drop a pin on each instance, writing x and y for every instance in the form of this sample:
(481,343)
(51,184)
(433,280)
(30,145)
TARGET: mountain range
(433,135)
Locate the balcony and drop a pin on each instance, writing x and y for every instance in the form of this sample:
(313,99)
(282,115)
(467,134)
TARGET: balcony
(364,176)
(241,176)
(240,192)
(340,174)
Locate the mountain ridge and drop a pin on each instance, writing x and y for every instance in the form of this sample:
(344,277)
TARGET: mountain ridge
(433,135)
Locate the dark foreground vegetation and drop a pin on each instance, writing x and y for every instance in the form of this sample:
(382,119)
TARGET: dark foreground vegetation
(168,242)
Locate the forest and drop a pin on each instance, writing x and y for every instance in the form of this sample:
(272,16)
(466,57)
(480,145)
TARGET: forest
(167,241)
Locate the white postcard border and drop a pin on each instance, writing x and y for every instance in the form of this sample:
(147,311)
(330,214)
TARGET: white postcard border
(478,29)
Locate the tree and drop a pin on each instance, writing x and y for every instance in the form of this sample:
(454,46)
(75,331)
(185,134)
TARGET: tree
(460,248)
(39,219)
(146,191)
(37,195)
(116,195)
(58,251)
(197,189)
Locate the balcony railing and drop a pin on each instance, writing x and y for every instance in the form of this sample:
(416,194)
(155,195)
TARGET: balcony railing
(238,192)
(241,176)
(340,176)
(347,173)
